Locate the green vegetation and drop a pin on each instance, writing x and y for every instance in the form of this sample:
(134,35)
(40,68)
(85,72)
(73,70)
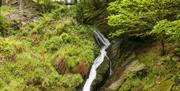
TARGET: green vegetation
(3,25)
(45,5)
(141,16)
(159,74)
(28,57)
(5,9)
(171,29)
(53,47)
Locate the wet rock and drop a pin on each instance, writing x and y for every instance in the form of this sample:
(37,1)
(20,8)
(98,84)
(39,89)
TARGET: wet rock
(103,74)
(133,67)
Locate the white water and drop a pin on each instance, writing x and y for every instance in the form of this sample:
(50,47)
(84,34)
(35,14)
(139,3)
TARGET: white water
(97,62)
(69,1)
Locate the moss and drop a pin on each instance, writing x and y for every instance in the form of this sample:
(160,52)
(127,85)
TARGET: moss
(165,85)
(148,58)
(133,84)
(157,76)
(6,8)
(4,25)
(36,45)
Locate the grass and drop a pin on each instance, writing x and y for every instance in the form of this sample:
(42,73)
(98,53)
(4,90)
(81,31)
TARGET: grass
(35,47)
(5,8)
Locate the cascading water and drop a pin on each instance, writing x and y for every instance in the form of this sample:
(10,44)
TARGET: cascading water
(103,44)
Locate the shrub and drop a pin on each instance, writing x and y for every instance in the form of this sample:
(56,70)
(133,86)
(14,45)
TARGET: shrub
(140,16)
(171,29)
(45,5)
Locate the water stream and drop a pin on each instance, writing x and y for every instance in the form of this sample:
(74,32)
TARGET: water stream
(103,44)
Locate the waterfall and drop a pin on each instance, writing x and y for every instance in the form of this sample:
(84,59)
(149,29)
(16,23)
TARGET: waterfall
(103,44)
(69,1)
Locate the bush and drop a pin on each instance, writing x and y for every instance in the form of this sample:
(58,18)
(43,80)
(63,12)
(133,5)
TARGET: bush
(5,47)
(170,28)
(140,16)
(59,34)
(45,5)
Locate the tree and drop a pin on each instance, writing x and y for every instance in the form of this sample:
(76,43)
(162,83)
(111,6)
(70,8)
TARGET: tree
(140,15)
(171,29)
(167,29)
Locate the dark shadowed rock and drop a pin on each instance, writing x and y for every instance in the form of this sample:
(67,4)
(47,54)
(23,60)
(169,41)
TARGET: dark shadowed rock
(131,68)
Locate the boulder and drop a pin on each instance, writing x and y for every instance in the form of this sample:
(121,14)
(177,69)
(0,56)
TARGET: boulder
(133,67)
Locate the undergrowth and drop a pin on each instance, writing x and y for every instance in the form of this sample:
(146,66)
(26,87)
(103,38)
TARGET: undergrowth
(34,48)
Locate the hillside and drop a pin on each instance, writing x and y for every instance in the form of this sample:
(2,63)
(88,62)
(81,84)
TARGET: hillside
(46,45)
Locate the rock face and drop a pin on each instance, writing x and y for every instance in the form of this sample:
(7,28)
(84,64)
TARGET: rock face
(131,68)
(146,71)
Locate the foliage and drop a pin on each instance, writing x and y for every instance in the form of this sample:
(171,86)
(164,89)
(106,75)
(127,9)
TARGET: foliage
(171,29)
(46,5)
(141,15)
(29,73)
(159,74)
(3,25)
(93,4)
(5,46)
(4,9)
(27,58)
(88,11)
(35,47)
(58,19)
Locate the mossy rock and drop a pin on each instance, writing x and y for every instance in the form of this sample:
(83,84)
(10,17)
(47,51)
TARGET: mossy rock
(165,85)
